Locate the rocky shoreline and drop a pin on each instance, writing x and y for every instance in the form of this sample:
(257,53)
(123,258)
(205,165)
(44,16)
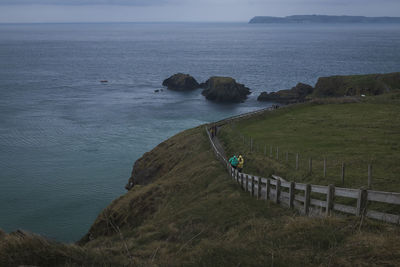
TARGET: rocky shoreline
(227,90)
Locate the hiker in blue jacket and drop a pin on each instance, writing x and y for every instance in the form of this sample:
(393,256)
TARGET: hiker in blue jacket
(234,161)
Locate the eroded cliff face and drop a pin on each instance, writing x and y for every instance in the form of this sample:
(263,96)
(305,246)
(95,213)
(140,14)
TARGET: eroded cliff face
(159,161)
(131,209)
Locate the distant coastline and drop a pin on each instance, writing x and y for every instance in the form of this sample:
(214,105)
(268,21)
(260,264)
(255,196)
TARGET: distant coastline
(324,19)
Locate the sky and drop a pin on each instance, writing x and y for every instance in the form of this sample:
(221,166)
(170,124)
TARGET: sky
(15,11)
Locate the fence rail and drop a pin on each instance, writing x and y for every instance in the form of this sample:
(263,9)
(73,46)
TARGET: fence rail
(298,195)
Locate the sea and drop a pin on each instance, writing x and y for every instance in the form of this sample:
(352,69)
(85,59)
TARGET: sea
(68,141)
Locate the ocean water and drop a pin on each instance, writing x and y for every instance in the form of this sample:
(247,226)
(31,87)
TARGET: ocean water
(68,142)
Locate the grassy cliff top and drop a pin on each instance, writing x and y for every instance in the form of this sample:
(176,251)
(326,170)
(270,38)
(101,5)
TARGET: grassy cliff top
(357,132)
(349,85)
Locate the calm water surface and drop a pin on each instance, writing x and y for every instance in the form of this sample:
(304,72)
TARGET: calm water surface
(67,142)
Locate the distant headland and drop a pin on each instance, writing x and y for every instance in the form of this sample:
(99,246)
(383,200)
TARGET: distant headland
(324,19)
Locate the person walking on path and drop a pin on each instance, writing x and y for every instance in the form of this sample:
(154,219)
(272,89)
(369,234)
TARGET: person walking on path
(234,161)
(240,163)
(212,132)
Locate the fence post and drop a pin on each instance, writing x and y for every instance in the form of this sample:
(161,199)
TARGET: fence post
(297,161)
(343,167)
(241,181)
(329,199)
(247,183)
(270,151)
(291,195)
(251,144)
(362,201)
(259,188)
(265,150)
(278,191)
(369,176)
(287,157)
(267,189)
(324,167)
(252,185)
(310,166)
(307,198)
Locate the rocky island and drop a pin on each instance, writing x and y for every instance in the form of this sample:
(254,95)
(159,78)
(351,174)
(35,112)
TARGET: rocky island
(296,94)
(181,82)
(218,89)
(225,89)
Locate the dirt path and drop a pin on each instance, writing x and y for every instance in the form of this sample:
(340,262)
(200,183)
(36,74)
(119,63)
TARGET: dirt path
(219,147)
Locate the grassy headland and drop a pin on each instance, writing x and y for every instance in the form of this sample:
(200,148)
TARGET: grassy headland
(193,214)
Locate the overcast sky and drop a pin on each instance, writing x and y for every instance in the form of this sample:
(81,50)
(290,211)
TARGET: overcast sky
(183,10)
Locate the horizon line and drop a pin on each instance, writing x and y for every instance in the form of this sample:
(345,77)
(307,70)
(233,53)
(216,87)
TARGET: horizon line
(101,22)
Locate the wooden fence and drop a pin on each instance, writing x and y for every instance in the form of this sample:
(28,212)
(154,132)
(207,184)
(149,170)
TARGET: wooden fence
(299,195)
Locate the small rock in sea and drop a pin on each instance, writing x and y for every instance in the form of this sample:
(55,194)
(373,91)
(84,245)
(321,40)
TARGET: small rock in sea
(156,91)
(225,89)
(181,82)
(104,81)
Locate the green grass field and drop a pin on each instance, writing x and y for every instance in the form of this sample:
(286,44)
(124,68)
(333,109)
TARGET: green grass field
(358,134)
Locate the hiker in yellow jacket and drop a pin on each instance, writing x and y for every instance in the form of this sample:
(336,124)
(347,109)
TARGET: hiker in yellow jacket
(240,163)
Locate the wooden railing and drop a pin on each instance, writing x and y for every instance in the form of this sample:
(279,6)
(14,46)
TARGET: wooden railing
(299,195)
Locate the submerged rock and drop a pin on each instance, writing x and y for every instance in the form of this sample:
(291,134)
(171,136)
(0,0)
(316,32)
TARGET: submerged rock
(181,82)
(224,89)
(296,94)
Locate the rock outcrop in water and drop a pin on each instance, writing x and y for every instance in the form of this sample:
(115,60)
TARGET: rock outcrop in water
(224,89)
(296,94)
(181,82)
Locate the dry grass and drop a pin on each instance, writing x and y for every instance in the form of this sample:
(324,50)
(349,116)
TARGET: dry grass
(22,248)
